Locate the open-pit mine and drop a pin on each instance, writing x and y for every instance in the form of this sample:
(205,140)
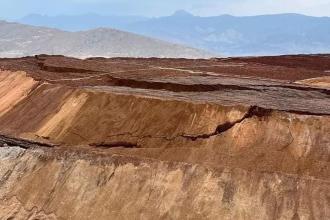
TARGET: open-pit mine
(134,138)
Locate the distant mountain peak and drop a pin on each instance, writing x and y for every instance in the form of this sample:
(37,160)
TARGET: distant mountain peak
(182,13)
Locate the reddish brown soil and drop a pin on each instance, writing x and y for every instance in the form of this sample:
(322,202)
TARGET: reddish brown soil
(243,81)
(286,68)
(312,62)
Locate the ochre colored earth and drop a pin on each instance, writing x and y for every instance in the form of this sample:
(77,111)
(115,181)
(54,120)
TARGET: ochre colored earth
(128,138)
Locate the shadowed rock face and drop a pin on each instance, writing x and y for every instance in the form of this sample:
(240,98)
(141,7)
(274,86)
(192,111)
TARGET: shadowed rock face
(164,138)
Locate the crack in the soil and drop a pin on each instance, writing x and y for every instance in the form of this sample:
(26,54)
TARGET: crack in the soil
(115,144)
(253,111)
(22,143)
(63,69)
(297,87)
(169,86)
(175,87)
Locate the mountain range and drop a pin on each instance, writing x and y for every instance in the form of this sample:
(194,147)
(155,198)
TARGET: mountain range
(226,35)
(17,40)
(80,22)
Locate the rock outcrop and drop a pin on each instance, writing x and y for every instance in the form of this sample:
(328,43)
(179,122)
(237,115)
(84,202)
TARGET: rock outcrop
(128,138)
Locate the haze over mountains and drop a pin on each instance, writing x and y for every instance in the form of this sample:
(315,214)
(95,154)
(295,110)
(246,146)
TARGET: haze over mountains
(225,34)
(17,40)
(80,22)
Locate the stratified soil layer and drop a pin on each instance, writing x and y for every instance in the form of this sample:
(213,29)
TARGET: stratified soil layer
(126,138)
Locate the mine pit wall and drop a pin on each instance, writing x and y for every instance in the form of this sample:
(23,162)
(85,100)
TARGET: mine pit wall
(173,130)
(275,164)
(134,117)
(52,184)
(58,112)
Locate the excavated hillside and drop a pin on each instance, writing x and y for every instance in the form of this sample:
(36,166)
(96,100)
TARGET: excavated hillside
(127,138)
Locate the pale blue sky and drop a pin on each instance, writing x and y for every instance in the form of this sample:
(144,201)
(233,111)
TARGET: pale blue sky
(19,8)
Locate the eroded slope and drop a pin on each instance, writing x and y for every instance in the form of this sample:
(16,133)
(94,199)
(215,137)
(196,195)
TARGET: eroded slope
(163,138)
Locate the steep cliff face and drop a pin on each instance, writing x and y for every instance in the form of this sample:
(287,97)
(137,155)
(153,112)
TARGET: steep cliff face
(162,139)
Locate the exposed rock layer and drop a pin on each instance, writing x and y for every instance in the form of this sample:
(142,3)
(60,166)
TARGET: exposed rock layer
(163,139)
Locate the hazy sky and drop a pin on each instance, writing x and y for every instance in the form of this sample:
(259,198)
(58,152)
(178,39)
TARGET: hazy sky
(19,8)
